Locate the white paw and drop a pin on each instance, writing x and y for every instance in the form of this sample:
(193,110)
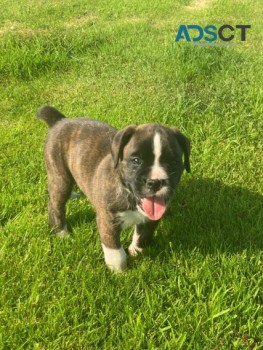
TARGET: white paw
(115,259)
(134,250)
(63,233)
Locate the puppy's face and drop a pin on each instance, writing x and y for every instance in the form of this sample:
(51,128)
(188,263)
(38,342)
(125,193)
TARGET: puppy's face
(149,158)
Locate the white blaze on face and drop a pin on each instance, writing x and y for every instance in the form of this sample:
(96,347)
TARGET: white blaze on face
(154,206)
(157,172)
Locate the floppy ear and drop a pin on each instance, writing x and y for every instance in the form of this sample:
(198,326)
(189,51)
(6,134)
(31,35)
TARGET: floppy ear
(186,147)
(119,141)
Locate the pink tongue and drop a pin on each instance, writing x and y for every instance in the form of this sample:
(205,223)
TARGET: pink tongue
(153,207)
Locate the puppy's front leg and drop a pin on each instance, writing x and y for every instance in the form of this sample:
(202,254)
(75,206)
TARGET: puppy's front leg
(114,254)
(142,236)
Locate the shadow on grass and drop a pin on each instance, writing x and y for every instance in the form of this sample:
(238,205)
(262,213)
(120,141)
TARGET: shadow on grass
(212,216)
(204,214)
(82,213)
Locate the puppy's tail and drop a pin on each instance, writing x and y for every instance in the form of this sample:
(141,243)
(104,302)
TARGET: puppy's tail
(50,115)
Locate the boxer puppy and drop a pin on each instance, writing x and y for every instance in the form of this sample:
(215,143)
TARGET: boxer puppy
(128,175)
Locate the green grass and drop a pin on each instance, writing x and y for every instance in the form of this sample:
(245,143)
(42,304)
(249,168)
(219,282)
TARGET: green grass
(199,286)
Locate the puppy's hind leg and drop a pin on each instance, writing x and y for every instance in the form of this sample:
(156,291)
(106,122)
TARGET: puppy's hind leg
(59,188)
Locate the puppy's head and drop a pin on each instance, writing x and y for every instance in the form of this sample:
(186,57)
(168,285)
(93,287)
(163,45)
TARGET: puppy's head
(149,158)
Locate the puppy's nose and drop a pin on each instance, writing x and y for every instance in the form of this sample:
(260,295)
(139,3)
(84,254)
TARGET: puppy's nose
(154,184)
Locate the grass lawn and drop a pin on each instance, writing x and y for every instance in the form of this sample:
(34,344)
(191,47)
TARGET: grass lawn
(200,284)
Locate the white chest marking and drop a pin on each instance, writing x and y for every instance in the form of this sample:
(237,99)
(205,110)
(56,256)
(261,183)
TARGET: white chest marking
(131,217)
(157,171)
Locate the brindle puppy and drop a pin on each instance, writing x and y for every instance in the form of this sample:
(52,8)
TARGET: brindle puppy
(128,175)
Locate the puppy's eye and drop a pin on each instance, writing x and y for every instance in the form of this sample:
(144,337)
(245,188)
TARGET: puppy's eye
(136,161)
